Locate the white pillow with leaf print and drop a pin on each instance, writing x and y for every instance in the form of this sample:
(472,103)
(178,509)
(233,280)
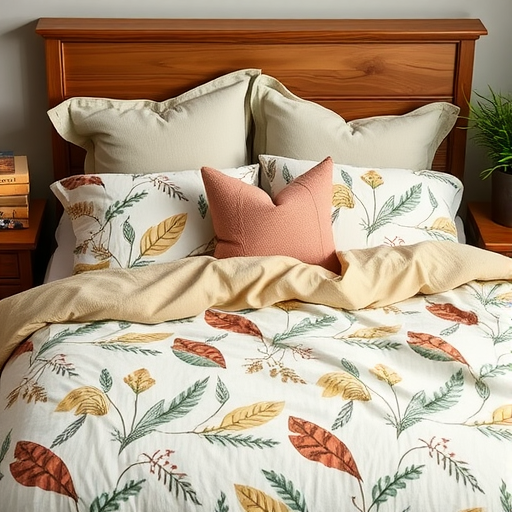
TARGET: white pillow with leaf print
(373,207)
(134,220)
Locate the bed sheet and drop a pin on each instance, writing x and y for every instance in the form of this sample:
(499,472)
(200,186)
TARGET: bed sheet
(295,406)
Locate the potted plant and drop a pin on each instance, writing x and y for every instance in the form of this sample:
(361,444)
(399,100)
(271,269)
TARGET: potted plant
(491,118)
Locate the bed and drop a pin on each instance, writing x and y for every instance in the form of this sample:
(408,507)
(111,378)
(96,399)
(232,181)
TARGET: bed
(259,300)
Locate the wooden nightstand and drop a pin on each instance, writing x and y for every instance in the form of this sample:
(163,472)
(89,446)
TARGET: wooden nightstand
(16,250)
(485,233)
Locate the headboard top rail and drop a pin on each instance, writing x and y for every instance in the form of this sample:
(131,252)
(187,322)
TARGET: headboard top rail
(301,30)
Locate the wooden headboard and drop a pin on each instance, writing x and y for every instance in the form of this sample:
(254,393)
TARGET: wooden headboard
(357,68)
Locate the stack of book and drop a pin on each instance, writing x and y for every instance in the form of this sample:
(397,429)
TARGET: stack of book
(14,191)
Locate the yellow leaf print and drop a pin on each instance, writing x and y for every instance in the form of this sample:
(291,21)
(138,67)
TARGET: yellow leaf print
(383,372)
(372,178)
(502,415)
(139,380)
(137,337)
(158,239)
(254,500)
(289,305)
(342,196)
(446,225)
(87,400)
(345,385)
(86,267)
(250,416)
(479,509)
(505,297)
(375,332)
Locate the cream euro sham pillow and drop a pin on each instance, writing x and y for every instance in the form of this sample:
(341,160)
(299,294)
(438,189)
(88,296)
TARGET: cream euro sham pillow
(206,125)
(379,206)
(135,220)
(290,126)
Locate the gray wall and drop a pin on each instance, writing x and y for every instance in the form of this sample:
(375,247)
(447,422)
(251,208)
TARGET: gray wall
(24,126)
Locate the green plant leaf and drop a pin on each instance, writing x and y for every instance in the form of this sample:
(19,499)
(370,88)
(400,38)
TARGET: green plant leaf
(490,119)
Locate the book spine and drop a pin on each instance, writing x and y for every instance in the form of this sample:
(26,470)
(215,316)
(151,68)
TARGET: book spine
(13,212)
(20,174)
(14,200)
(6,162)
(14,189)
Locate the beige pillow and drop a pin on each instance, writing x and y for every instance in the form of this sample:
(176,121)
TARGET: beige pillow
(289,126)
(206,125)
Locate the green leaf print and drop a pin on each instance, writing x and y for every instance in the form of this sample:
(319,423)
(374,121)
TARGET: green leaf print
(221,505)
(506,498)
(407,203)
(158,415)
(420,406)
(107,503)
(221,392)
(66,333)
(202,205)
(350,367)
(303,327)
(4,448)
(286,491)
(118,207)
(433,200)
(344,415)
(287,175)
(488,371)
(388,487)
(239,440)
(105,380)
(128,231)
(69,432)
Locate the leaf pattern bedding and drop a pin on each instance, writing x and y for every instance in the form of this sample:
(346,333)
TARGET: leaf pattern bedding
(293,407)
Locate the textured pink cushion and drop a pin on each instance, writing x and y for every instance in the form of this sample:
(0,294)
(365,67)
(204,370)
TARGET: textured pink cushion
(296,224)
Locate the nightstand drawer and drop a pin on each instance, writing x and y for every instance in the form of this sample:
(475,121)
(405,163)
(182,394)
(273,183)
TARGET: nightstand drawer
(9,266)
(17,250)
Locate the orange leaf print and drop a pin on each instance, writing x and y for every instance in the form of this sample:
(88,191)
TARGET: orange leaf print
(434,348)
(316,444)
(454,314)
(26,346)
(200,349)
(231,322)
(82,179)
(37,466)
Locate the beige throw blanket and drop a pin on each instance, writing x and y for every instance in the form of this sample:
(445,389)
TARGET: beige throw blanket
(153,294)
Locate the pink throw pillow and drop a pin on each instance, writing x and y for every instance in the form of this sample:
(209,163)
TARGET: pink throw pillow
(297,224)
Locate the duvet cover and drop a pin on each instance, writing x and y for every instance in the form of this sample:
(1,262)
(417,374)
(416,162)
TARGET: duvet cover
(263,384)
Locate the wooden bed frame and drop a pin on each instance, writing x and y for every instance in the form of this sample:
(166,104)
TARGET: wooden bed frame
(358,68)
